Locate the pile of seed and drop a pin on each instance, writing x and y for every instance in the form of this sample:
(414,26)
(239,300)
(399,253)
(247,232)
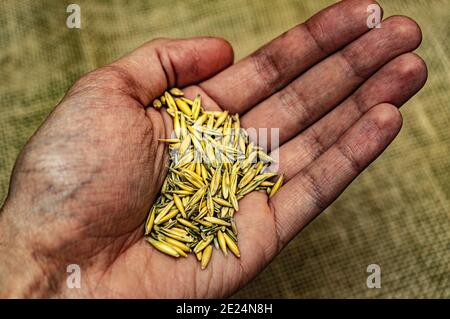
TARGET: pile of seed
(212,166)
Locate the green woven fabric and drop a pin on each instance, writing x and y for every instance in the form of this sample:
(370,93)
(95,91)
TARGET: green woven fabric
(397,214)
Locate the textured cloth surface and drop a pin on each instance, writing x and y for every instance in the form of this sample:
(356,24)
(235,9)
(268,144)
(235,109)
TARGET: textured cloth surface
(397,214)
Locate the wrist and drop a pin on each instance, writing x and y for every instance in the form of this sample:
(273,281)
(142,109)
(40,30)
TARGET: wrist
(23,274)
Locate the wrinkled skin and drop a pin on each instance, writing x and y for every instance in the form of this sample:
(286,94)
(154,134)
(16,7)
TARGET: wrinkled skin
(83,185)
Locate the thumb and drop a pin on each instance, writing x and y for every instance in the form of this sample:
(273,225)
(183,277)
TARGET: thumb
(163,63)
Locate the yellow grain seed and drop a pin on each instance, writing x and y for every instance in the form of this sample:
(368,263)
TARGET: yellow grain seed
(188,224)
(188,101)
(184,239)
(264,176)
(176,125)
(215,181)
(150,221)
(259,166)
(199,255)
(227,166)
(234,226)
(204,222)
(222,202)
(204,174)
(191,167)
(216,243)
(198,146)
(198,169)
(185,200)
(233,200)
(185,187)
(168,216)
(276,186)
(179,251)
(206,256)
(203,244)
(197,196)
(175,243)
(170,102)
(210,154)
(184,145)
(163,212)
(232,245)
(194,182)
(227,138)
(201,119)
(264,157)
(157,104)
(163,247)
(248,188)
(210,123)
(210,205)
(184,107)
(248,161)
(221,119)
(224,211)
(196,107)
(266,184)
(171,112)
(176,92)
(249,149)
(242,144)
(222,243)
(194,175)
(187,158)
(178,231)
(247,178)
(217,221)
(163,99)
(179,205)
(183,129)
(225,184)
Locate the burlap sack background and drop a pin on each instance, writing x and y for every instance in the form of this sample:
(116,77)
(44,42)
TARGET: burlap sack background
(397,214)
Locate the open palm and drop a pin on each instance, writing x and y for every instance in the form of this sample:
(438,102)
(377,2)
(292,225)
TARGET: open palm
(83,185)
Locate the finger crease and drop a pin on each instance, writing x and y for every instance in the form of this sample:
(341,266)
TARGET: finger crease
(315,39)
(295,105)
(167,67)
(351,64)
(314,191)
(277,226)
(348,154)
(267,69)
(315,146)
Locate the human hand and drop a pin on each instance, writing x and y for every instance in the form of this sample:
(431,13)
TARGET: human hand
(83,185)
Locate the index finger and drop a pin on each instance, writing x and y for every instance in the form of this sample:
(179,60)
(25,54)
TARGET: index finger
(280,61)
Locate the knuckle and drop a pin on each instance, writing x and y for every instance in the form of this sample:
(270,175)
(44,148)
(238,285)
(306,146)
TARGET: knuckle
(349,154)
(315,146)
(267,68)
(312,188)
(294,105)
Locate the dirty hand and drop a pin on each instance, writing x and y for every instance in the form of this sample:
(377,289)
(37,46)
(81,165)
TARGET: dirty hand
(83,185)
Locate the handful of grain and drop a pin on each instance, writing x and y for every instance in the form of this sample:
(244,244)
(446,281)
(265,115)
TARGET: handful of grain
(212,166)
